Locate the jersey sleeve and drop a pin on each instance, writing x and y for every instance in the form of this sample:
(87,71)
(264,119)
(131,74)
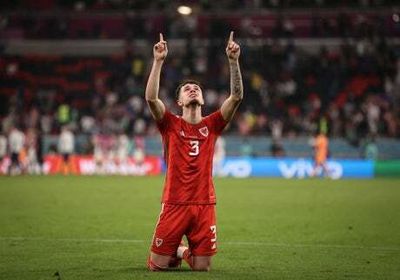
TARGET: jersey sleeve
(165,122)
(217,122)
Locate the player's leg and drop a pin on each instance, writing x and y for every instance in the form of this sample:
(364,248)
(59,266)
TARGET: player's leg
(158,262)
(69,163)
(63,164)
(317,168)
(14,164)
(202,239)
(196,263)
(201,263)
(170,228)
(325,169)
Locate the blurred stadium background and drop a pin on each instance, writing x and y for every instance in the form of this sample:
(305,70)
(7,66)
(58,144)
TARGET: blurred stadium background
(307,65)
(72,78)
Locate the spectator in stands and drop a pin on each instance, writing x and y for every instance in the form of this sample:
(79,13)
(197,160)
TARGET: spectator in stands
(16,140)
(122,152)
(104,152)
(98,153)
(245,149)
(63,114)
(372,111)
(288,93)
(139,151)
(3,150)
(370,149)
(39,152)
(277,148)
(31,144)
(219,156)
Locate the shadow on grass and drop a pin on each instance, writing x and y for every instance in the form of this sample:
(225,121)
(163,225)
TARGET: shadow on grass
(141,269)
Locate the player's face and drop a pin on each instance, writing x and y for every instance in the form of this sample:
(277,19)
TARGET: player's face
(190,94)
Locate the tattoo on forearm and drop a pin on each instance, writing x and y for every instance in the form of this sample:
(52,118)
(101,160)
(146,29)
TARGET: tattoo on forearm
(236,81)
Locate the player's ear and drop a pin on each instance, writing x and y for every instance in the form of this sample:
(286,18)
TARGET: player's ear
(178,98)
(202,99)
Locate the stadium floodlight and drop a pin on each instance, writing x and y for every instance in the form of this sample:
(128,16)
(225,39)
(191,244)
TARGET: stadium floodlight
(184,10)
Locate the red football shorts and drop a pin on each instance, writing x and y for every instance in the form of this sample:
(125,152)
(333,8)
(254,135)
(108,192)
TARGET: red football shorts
(197,222)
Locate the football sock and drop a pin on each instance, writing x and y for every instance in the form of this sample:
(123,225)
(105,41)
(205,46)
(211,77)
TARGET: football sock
(185,254)
(180,251)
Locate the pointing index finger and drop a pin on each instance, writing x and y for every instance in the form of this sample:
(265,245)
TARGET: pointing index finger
(231,37)
(161,38)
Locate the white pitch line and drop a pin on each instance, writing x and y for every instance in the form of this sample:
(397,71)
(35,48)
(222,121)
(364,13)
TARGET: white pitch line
(244,243)
(232,243)
(20,238)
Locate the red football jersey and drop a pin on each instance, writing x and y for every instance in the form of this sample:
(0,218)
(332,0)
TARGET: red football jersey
(188,153)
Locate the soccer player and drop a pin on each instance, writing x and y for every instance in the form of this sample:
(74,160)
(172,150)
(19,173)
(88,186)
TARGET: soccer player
(321,149)
(66,147)
(188,201)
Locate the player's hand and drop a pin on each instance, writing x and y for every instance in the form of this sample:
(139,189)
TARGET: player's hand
(160,49)
(232,49)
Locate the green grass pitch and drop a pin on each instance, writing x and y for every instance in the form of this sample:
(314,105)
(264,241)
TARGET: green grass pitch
(100,228)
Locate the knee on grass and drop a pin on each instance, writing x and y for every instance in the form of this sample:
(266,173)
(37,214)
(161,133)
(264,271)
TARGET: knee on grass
(201,268)
(201,264)
(158,262)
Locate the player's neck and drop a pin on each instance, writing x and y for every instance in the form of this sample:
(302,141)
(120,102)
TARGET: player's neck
(192,114)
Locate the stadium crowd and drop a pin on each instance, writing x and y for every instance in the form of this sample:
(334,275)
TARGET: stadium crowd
(355,88)
(138,19)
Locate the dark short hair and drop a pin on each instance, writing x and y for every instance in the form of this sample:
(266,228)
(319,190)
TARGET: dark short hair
(185,82)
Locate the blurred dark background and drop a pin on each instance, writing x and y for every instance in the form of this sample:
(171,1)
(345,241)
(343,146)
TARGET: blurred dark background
(307,65)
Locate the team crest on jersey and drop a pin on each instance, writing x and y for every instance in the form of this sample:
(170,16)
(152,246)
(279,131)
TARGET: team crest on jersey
(158,242)
(204,131)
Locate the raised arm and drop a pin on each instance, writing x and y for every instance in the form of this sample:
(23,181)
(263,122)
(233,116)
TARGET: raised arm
(230,105)
(156,106)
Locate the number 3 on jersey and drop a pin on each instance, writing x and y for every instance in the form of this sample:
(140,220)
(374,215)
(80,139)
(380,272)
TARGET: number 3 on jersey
(194,146)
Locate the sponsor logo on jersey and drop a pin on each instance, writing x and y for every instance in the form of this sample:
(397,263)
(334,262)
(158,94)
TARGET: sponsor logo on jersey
(159,241)
(204,131)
